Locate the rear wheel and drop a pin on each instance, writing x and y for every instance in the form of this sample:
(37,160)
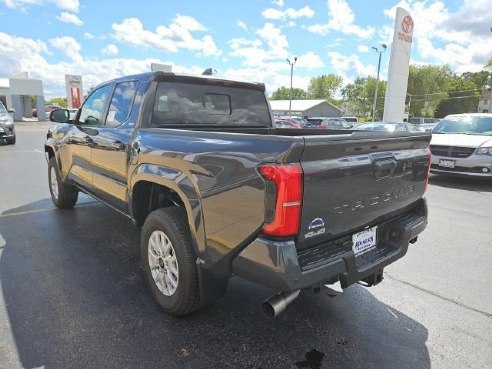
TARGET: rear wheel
(63,195)
(168,261)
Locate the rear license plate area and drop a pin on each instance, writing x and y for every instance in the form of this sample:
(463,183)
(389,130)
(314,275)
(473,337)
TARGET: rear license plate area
(364,241)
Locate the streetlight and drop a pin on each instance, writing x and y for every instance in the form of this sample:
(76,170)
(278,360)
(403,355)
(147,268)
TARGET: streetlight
(291,74)
(379,51)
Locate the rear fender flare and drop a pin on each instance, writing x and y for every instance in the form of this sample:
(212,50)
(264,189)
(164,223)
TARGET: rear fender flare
(180,183)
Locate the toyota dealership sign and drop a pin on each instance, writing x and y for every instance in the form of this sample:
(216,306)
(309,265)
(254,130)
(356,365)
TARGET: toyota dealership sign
(396,90)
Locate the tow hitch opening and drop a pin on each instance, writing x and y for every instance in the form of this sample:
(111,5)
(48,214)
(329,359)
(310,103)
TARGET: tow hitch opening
(373,279)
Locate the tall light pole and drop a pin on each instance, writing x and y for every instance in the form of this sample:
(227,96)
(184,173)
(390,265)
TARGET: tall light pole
(379,51)
(291,74)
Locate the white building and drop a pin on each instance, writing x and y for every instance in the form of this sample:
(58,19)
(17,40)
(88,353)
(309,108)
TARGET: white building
(306,108)
(16,92)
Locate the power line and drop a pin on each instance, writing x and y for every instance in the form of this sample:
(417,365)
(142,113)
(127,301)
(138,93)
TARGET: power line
(445,92)
(449,97)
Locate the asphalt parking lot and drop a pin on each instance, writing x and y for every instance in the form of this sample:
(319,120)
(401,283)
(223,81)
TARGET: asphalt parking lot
(72,294)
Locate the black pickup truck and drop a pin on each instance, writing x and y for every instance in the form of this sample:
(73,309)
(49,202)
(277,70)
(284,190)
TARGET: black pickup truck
(196,163)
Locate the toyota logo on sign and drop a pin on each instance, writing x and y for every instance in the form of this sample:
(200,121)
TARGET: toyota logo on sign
(407,24)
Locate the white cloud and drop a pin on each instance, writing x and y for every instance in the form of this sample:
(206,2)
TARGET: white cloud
(26,55)
(273,75)
(90,36)
(275,39)
(263,59)
(20,54)
(242,25)
(460,39)
(178,35)
(20,4)
(350,67)
(111,49)
(341,18)
(72,5)
(363,48)
(68,46)
(69,18)
(272,45)
(289,13)
(309,61)
(279,3)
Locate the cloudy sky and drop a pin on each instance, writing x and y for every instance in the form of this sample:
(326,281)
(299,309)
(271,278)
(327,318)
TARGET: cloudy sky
(243,39)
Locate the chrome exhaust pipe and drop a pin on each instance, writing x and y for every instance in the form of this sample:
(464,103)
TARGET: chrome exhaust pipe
(275,304)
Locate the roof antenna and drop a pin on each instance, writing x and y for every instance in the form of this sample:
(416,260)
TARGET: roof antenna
(209,72)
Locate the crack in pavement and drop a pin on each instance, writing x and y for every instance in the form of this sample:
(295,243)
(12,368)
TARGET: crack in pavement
(435,294)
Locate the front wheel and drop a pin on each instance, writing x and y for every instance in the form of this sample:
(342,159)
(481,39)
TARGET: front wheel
(63,195)
(10,140)
(168,261)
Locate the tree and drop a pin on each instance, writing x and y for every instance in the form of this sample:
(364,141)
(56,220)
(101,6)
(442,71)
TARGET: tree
(463,97)
(427,86)
(61,101)
(283,93)
(489,64)
(481,79)
(324,87)
(360,96)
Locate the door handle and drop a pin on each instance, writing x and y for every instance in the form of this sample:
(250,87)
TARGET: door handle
(118,145)
(135,151)
(136,147)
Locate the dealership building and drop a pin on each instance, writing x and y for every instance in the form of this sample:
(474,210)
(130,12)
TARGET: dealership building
(16,93)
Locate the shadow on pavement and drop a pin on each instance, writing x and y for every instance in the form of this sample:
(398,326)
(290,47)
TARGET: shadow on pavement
(470,184)
(76,298)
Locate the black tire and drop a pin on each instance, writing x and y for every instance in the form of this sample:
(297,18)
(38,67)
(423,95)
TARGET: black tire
(11,140)
(66,195)
(173,224)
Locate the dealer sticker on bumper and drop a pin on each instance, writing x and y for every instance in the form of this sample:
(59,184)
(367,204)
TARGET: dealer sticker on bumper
(364,241)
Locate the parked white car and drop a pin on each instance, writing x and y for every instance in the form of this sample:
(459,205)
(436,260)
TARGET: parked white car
(462,145)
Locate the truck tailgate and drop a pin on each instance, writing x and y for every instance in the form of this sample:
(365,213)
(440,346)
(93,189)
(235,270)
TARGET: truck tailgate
(355,181)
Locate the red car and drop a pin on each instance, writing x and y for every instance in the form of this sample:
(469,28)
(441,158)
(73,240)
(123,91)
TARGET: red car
(47,109)
(285,123)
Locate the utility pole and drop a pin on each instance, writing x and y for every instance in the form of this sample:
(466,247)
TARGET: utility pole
(379,51)
(291,75)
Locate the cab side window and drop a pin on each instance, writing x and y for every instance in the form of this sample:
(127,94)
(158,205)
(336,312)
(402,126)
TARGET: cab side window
(121,103)
(93,108)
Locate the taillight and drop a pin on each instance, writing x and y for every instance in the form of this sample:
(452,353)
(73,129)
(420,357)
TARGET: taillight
(428,163)
(286,216)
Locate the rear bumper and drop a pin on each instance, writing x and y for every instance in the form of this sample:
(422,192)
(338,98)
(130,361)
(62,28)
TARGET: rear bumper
(277,264)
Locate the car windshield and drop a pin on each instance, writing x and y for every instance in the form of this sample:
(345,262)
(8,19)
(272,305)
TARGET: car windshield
(377,127)
(2,108)
(468,125)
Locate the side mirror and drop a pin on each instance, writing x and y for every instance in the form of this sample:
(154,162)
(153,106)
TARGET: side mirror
(60,116)
(11,110)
